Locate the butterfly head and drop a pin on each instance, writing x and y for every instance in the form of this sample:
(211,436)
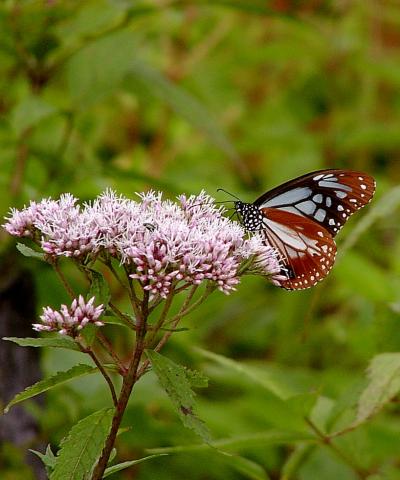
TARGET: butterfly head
(250,216)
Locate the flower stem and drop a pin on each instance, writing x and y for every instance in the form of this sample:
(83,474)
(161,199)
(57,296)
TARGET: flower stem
(92,355)
(326,440)
(61,276)
(185,310)
(129,381)
(122,316)
(104,342)
(163,316)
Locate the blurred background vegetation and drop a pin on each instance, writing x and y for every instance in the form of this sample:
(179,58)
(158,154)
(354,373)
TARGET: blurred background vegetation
(241,94)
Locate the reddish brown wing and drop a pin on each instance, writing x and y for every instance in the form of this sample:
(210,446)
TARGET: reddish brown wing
(306,248)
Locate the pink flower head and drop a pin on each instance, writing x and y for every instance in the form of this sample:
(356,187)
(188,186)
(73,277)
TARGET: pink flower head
(161,242)
(69,321)
(21,223)
(191,242)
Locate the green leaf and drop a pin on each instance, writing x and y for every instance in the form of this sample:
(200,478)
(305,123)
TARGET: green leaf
(51,382)
(256,440)
(48,458)
(247,467)
(295,460)
(121,466)
(285,415)
(384,385)
(114,320)
(29,252)
(177,382)
(55,342)
(184,104)
(99,288)
(303,403)
(81,450)
(89,333)
(30,112)
(242,369)
(98,68)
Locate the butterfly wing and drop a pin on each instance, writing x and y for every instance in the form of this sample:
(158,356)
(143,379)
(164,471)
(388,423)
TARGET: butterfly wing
(307,249)
(327,197)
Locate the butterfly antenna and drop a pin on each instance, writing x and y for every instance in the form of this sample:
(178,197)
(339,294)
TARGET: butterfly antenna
(215,203)
(231,194)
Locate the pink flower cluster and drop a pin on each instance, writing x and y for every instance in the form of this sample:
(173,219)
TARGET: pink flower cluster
(69,321)
(160,242)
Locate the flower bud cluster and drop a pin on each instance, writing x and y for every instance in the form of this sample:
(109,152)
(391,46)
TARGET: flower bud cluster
(70,320)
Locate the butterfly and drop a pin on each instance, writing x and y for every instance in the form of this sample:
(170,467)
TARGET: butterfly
(300,219)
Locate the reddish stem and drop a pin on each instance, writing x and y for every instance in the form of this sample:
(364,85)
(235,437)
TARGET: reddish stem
(127,386)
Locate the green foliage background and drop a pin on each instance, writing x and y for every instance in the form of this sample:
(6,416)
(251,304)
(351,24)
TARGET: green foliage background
(186,95)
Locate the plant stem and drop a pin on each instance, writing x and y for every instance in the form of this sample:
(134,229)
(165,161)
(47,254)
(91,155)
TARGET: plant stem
(185,310)
(92,355)
(132,295)
(326,440)
(127,386)
(109,349)
(64,281)
(163,316)
(122,316)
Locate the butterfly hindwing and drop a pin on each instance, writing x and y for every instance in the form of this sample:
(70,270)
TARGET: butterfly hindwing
(307,250)
(327,197)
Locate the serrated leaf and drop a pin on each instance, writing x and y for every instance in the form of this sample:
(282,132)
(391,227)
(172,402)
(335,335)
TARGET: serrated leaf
(29,252)
(177,383)
(122,466)
(81,449)
(48,459)
(99,288)
(184,104)
(196,379)
(51,382)
(256,440)
(384,385)
(55,342)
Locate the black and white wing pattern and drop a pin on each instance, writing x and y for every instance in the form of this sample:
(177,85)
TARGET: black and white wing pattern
(328,197)
(301,218)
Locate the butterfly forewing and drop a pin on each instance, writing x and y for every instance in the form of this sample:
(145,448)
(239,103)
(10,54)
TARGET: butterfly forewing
(327,197)
(307,250)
